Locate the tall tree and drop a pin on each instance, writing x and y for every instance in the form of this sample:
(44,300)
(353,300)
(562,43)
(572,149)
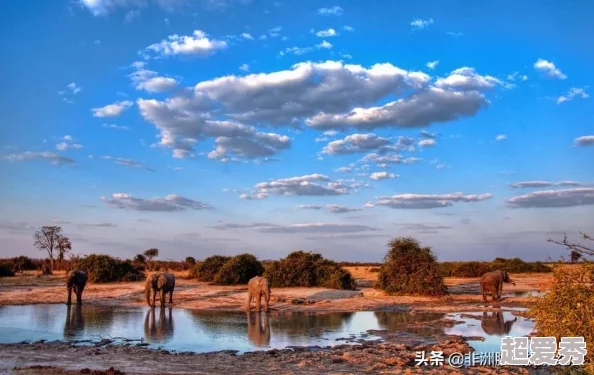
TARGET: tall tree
(47,239)
(64,246)
(151,253)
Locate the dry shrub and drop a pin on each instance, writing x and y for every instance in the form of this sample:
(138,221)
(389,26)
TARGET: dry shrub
(308,269)
(517,265)
(470,269)
(567,310)
(5,272)
(239,270)
(410,269)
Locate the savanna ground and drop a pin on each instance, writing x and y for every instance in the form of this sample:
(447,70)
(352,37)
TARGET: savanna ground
(390,357)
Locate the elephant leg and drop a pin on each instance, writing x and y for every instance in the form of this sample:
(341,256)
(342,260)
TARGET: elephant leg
(171,297)
(484,292)
(258,298)
(154,297)
(162,297)
(249,301)
(500,290)
(266,299)
(69,296)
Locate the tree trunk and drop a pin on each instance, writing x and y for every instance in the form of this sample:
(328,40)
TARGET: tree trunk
(51,263)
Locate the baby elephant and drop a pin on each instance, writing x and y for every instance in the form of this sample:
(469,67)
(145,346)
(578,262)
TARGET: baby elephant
(77,281)
(159,282)
(258,286)
(493,282)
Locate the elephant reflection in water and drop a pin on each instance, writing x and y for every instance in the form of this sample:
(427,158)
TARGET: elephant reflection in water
(258,331)
(494,323)
(75,321)
(160,329)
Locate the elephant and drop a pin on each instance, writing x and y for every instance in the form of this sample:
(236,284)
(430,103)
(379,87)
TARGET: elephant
(258,286)
(493,282)
(258,332)
(77,281)
(494,324)
(163,283)
(160,329)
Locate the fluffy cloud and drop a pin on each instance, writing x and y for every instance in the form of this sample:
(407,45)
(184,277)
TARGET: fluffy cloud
(420,109)
(432,64)
(170,202)
(586,140)
(54,158)
(553,198)
(427,143)
(303,50)
(313,185)
(150,81)
(112,110)
(104,7)
(334,11)
(420,24)
(326,33)
(427,201)
(309,207)
(63,146)
(247,36)
(244,67)
(382,176)
(538,184)
(501,137)
(252,146)
(467,79)
(126,162)
(548,69)
(388,159)
(574,92)
(114,126)
(428,135)
(197,44)
(340,209)
(356,143)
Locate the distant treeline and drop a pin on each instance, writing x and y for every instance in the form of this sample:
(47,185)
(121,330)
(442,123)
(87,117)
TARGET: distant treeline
(477,269)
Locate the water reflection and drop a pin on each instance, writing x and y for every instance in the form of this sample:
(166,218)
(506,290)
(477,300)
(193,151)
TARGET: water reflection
(493,323)
(75,321)
(160,330)
(258,330)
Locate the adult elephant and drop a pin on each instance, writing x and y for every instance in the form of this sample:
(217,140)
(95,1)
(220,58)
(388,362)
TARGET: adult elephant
(493,282)
(258,287)
(76,281)
(159,282)
(494,324)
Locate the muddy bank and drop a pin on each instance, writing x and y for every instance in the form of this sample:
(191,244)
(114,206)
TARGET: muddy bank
(368,358)
(190,294)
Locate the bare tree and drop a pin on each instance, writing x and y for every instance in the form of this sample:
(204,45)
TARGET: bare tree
(576,247)
(47,239)
(64,246)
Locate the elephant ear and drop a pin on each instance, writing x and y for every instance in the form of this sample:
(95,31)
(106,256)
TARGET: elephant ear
(162,281)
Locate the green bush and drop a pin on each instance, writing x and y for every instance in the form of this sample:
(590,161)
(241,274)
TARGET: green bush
(469,269)
(21,263)
(517,265)
(239,270)
(5,272)
(410,269)
(104,268)
(208,269)
(309,270)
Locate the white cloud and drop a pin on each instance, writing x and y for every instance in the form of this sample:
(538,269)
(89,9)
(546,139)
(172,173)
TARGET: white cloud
(467,79)
(275,31)
(303,50)
(247,36)
(553,198)
(454,34)
(428,135)
(548,69)
(501,137)
(150,81)
(309,207)
(244,67)
(539,184)
(54,158)
(74,88)
(420,24)
(340,209)
(573,93)
(388,159)
(197,44)
(317,228)
(432,64)
(427,201)
(517,76)
(62,146)
(382,175)
(356,143)
(427,143)
(308,185)
(586,140)
(131,15)
(112,110)
(335,11)
(170,202)
(326,33)
(252,146)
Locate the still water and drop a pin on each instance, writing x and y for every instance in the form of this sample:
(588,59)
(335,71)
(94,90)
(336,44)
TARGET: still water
(206,331)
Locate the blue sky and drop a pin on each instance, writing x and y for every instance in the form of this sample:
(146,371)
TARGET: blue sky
(206,127)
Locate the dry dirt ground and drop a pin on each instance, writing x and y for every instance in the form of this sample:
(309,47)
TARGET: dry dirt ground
(190,294)
(391,357)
